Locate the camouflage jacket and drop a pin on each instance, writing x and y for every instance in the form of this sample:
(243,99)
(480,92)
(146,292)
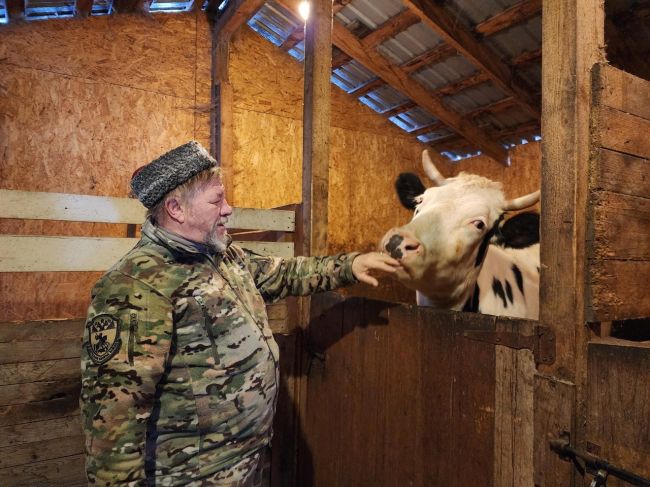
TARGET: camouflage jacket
(179,365)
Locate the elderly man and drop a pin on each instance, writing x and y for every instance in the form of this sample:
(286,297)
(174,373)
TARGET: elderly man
(179,365)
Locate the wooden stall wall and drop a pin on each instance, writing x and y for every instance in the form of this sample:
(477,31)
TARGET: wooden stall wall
(367,154)
(84,103)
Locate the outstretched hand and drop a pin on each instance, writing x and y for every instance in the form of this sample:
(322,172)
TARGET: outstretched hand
(364,263)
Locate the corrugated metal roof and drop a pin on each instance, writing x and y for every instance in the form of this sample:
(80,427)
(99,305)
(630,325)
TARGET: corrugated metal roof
(383,99)
(410,43)
(444,73)
(371,13)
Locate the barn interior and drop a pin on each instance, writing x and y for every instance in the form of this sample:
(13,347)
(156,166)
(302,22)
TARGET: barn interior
(92,89)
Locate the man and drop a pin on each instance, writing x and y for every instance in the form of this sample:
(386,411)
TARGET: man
(179,365)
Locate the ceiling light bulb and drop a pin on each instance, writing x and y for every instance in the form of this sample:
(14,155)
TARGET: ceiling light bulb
(303,9)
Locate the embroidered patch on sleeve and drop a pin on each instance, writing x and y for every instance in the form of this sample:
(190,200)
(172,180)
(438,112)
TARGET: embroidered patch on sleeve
(103,338)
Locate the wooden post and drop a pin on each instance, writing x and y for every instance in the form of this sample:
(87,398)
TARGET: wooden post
(316,127)
(221,117)
(573,41)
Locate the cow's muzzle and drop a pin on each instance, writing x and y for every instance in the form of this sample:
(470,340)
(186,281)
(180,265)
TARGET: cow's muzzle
(400,245)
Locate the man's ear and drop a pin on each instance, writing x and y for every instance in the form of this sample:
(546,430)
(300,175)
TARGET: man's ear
(175,210)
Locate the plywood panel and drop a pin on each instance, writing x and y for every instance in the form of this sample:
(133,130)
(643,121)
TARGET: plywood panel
(151,53)
(619,405)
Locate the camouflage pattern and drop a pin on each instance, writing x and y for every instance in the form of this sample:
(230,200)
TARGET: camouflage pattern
(179,365)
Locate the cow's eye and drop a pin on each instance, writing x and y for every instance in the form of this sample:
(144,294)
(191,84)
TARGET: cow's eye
(479,224)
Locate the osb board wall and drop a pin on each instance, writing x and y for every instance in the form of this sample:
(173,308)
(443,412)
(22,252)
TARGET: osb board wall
(367,153)
(84,103)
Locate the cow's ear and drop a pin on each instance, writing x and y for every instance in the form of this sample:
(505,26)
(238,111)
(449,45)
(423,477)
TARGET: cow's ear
(408,186)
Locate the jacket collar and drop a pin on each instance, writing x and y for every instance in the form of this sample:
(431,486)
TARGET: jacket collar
(175,242)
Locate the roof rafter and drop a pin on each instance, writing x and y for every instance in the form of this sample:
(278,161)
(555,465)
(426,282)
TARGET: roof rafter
(516,14)
(390,28)
(82,8)
(400,80)
(462,39)
(15,10)
(236,14)
(130,6)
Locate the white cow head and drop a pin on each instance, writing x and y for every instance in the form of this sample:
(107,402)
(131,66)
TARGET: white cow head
(442,249)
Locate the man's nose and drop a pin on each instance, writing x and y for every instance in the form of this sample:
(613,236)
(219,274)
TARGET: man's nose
(226,209)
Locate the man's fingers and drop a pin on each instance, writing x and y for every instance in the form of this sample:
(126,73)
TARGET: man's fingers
(385,267)
(368,279)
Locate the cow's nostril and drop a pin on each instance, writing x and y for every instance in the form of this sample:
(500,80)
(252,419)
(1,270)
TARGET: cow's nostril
(412,247)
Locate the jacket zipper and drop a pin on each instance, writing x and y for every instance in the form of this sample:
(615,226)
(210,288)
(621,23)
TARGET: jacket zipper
(208,326)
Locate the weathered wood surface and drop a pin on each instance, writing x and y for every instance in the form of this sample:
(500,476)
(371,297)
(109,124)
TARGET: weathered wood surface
(395,393)
(86,208)
(619,405)
(20,253)
(554,403)
(618,236)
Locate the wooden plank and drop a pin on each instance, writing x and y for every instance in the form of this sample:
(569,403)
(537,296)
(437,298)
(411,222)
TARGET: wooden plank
(20,253)
(39,411)
(462,84)
(41,330)
(554,415)
(513,410)
(236,14)
(623,132)
(15,352)
(435,55)
(39,431)
(61,471)
(473,396)
(82,8)
(618,227)
(526,57)
(619,392)
(620,173)
(316,125)
(444,23)
(517,14)
(85,208)
(28,453)
(617,290)
(494,107)
(622,91)
(15,10)
(390,28)
(21,373)
(38,391)
(130,6)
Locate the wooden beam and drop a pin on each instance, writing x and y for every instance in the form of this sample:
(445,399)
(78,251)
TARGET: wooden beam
(82,8)
(295,38)
(573,33)
(221,127)
(339,59)
(316,127)
(527,57)
(462,84)
(429,128)
(15,10)
(130,6)
(461,38)
(495,107)
(390,28)
(399,109)
(236,14)
(436,55)
(400,80)
(516,14)
(368,87)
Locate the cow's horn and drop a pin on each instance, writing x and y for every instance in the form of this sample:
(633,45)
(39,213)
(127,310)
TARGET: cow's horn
(430,170)
(522,201)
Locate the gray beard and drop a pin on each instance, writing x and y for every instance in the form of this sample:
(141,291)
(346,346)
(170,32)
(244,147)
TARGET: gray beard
(216,243)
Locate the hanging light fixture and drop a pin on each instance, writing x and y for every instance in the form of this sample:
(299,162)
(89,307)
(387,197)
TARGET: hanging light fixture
(303,9)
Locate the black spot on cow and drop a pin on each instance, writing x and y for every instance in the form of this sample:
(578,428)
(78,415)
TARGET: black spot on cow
(393,246)
(520,231)
(509,292)
(472,304)
(497,288)
(408,186)
(518,278)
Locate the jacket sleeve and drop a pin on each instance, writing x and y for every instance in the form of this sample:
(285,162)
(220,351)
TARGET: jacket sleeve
(126,343)
(277,278)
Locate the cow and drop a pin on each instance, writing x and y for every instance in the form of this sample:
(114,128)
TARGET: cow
(450,252)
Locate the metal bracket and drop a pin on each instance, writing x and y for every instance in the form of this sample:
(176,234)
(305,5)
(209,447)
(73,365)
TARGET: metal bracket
(542,342)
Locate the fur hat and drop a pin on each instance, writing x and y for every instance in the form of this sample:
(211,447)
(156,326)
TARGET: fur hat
(152,182)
